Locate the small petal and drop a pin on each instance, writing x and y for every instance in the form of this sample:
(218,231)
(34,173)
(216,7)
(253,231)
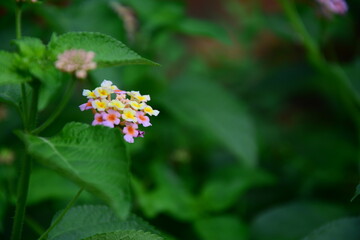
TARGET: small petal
(129,138)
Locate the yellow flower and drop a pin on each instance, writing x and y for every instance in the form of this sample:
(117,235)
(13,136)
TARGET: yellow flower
(136,105)
(88,94)
(129,115)
(100,105)
(117,104)
(151,111)
(101,92)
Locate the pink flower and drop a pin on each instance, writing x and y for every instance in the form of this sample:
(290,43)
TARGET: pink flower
(86,106)
(141,118)
(76,61)
(334,6)
(111,118)
(130,132)
(98,119)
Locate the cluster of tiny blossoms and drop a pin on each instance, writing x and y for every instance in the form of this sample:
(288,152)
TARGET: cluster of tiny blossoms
(126,111)
(333,6)
(76,61)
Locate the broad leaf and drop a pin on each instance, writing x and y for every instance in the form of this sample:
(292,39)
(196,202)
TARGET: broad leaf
(125,235)
(108,50)
(8,73)
(51,79)
(346,228)
(11,93)
(85,221)
(93,157)
(169,195)
(55,187)
(225,188)
(30,47)
(293,221)
(207,106)
(221,228)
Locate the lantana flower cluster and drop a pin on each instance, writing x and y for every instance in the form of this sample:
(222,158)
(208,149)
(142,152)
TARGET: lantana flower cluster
(76,61)
(121,109)
(333,6)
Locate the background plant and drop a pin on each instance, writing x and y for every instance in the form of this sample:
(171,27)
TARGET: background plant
(257,137)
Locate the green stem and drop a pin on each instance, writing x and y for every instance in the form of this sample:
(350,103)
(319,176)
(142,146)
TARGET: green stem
(55,114)
(60,217)
(23,187)
(34,104)
(23,184)
(24,106)
(341,82)
(311,46)
(18,20)
(34,225)
(18,12)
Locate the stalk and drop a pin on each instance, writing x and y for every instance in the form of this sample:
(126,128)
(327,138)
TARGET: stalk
(34,104)
(18,12)
(23,187)
(332,72)
(23,184)
(60,108)
(60,217)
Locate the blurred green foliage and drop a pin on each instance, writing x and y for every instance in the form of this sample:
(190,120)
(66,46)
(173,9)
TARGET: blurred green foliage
(252,141)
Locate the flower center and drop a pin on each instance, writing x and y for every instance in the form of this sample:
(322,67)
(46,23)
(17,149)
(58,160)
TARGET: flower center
(111,117)
(131,130)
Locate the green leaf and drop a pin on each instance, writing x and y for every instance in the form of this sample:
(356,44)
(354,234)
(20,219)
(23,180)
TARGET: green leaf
(55,187)
(108,50)
(92,157)
(125,235)
(225,188)
(225,227)
(203,28)
(8,74)
(30,47)
(299,219)
(85,221)
(346,228)
(169,195)
(51,79)
(11,93)
(209,107)
(357,192)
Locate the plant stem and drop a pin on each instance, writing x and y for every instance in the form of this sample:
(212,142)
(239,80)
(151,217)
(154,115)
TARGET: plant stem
(23,184)
(311,46)
(18,20)
(342,84)
(60,108)
(24,102)
(34,104)
(23,187)
(34,225)
(60,217)
(24,106)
